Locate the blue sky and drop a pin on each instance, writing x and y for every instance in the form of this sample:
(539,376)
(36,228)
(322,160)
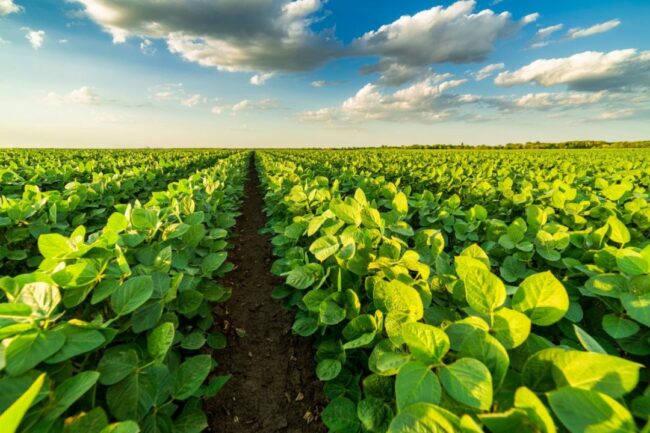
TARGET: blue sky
(119,73)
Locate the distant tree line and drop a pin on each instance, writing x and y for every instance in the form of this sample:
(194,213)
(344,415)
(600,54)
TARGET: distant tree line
(584,144)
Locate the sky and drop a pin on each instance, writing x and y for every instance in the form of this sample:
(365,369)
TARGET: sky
(303,73)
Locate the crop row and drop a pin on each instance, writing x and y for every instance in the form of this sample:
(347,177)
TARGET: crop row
(503,298)
(34,211)
(54,168)
(109,334)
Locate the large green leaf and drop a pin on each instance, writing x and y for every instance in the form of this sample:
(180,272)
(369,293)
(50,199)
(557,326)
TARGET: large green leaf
(427,343)
(53,245)
(190,376)
(160,340)
(28,350)
(10,419)
(468,381)
(416,383)
(396,296)
(424,418)
(637,307)
(583,411)
(484,291)
(340,415)
(595,371)
(213,261)
(43,298)
(324,247)
(510,327)
(77,341)
(542,298)
(132,294)
(617,230)
(133,396)
(67,393)
(116,364)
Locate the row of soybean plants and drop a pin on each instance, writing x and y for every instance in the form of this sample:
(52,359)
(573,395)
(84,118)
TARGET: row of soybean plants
(109,333)
(54,168)
(481,307)
(36,209)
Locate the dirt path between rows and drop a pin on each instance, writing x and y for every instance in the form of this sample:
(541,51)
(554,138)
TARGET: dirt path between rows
(273,388)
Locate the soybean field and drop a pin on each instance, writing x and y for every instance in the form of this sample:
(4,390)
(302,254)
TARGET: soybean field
(342,291)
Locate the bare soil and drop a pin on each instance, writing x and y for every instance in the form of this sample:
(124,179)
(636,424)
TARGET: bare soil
(273,388)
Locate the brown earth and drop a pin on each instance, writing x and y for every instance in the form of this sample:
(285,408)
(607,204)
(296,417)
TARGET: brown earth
(273,388)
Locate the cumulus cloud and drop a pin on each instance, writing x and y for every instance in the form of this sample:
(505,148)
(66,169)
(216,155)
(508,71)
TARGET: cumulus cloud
(231,35)
(587,71)
(593,30)
(276,36)
(425,101)
(488,70)
(35,37)
(440,35)
(81,96)
(8,7)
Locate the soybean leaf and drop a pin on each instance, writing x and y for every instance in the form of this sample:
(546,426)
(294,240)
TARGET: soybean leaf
(10,419)
(160,340)
(28,350)
(468,381)
(340,415)
(190,376)
(132,294)
(542,298)
(581,411)
(416,383)
(427,343)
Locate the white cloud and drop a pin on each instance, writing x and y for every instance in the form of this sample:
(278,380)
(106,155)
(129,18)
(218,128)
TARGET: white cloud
(175,92)
(593,30)
(9,7)
(425,101)
(488,70)
(258,35)
(559,100)
(192,101)
(218,109)
(63,41)
(622,113)
(440,35)
(81,96)
(531,18)
(146,46)
(260,79)
(326,83)
(4,42)
(168,92)
(35,37)
(275,36)
(246,105)
(548,31)
(590,70)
